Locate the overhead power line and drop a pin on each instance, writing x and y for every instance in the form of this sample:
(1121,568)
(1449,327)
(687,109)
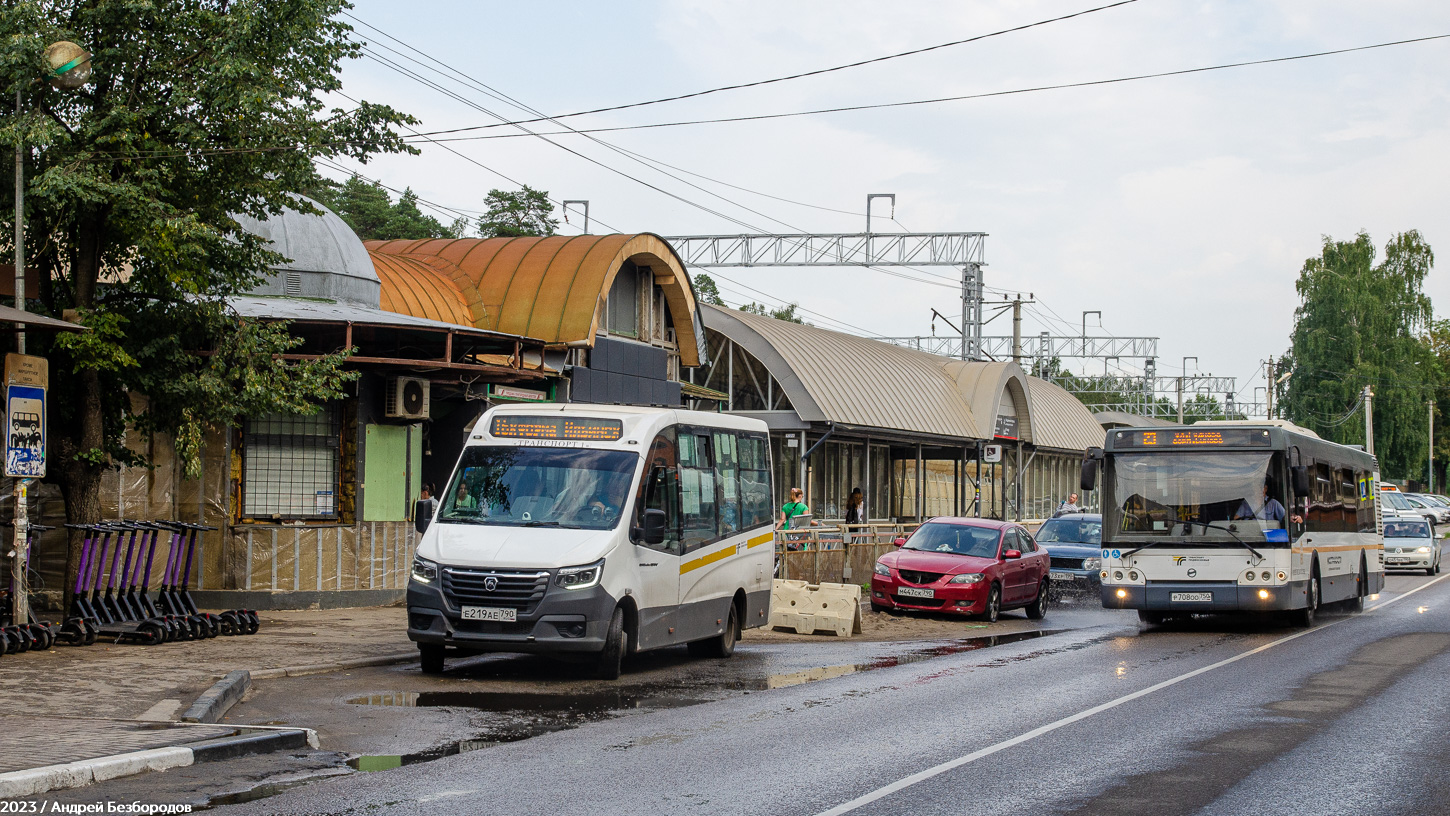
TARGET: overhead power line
(804,74)
(941,99)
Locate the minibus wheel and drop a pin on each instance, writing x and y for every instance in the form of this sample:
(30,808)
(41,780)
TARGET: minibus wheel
(430,656)
(611,658)
(723,644)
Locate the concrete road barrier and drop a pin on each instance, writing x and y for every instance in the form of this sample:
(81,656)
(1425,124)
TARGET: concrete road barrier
(809,608)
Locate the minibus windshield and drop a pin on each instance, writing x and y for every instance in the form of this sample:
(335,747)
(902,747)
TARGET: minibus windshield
(523,486)
(1176,494)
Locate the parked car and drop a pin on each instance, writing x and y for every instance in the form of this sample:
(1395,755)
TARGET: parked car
(965,566)
(1435,504)
(1410,544)
(1073,542)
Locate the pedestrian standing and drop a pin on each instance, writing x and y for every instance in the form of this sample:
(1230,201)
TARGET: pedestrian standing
(795,507)
(856,507)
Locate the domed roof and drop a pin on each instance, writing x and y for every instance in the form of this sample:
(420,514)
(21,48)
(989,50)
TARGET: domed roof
(325,257)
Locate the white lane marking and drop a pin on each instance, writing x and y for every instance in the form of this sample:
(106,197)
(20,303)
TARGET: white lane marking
(938,770)
(1399,598)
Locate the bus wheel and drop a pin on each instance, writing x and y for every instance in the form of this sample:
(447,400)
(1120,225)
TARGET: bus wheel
(1305,616)
(611,659)
(723,645)
(430,658)
(1151,618)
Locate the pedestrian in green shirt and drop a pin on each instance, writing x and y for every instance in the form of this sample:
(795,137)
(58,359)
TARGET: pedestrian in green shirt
(794,507)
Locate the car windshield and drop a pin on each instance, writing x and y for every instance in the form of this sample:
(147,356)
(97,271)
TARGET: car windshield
(958,539)
(1070,531)
(512,486)
(1163,494)
(1396,500)
(1407,529)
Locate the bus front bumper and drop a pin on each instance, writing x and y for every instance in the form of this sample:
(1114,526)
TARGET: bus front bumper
(1190,597)
(563,621)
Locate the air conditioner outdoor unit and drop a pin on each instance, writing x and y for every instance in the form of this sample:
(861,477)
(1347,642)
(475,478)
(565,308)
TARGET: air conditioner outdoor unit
(406,398)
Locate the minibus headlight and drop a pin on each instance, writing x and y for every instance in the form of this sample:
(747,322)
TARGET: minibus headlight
(580,577)
(882,569)
(424,571)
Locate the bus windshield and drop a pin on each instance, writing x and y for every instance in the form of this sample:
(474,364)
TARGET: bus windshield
(510,486)
(1178,493)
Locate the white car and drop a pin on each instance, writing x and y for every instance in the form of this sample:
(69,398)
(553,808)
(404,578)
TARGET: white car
(1410,545)
(1437,505)
(1398,505)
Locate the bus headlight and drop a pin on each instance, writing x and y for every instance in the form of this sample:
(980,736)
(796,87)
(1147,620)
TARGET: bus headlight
(1117,575)
(1265,575)
(424,571)
(1132,576)
(1091,563)
(1282,576)
(580,577)
(1264,594)
(1249,576)
(1122,593)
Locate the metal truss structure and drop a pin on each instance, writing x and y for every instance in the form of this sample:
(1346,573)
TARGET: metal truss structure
(1038,347)
(838,249)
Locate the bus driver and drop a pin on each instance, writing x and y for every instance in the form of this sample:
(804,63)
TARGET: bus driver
(1269,510)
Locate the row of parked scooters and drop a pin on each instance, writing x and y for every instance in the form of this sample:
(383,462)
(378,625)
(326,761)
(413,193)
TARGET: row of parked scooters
(113,592)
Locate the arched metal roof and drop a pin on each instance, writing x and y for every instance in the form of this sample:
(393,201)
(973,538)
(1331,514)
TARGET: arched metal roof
(835,377)
(549,288)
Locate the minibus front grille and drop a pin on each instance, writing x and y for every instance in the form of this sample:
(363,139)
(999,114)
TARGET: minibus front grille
(511,589)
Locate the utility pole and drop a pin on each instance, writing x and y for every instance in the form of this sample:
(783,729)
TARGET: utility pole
(1180,399)
(565,209)
(1368,421)
(972,311)
(1017,330)
(1431,404)
(1270,381)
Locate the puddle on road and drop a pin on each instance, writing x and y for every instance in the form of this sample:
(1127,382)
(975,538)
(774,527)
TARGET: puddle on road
(531,715)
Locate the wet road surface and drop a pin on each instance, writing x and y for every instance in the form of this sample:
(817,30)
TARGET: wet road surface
(1092,713)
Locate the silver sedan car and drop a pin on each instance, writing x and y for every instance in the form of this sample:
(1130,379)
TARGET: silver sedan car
(1410,545)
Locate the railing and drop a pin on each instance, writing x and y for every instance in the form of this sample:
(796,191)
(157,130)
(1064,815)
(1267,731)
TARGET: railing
(835,553)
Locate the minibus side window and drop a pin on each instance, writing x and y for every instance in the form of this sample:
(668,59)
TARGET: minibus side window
(727,469)
(659,490)
(754,480)
(698,507)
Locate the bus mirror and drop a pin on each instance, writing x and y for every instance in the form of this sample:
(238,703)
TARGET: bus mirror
(1301,480)
(654,526)
(1089,479)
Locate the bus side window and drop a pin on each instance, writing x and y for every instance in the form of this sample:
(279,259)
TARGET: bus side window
(698,507)
(659,490)
(1366,503)
(1323,502)
(727,468)
(754,481)
(1348,500)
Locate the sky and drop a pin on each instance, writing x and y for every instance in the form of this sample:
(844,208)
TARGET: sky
(1182,207)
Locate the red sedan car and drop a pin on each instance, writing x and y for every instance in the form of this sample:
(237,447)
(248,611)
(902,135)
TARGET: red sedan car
(967,566)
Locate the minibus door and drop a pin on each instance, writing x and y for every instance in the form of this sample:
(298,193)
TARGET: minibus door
(659,562)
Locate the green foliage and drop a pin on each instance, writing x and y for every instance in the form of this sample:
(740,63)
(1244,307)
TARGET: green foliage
(786,312)
(707,290)
(1359,324)
(521,213)
(374,216)
(131,186)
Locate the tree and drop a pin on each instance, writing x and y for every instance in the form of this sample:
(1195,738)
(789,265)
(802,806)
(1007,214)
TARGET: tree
(786,312)
(1359,324)
(370,211)
(511,215)
(707,290)
(195,112)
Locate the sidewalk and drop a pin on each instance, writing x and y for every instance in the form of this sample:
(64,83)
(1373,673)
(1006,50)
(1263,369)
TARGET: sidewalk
(107,710)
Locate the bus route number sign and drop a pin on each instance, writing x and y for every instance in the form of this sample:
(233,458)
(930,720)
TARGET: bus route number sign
(577,429)
(1218,437)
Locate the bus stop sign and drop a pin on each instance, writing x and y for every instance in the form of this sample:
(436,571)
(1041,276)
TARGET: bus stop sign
(26,379)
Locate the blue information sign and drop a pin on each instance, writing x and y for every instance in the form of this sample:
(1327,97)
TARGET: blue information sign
(25,431)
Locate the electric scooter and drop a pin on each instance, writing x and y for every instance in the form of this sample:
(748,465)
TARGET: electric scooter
(102,610)
(43,634)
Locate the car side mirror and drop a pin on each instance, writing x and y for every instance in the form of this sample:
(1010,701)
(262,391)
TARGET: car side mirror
(654,526)
(1011,554)
(898,542)
(1301,480)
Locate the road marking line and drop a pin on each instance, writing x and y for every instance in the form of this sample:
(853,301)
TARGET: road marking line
(922,776)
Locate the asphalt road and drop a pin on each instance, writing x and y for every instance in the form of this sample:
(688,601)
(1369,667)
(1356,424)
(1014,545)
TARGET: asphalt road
(1210,717)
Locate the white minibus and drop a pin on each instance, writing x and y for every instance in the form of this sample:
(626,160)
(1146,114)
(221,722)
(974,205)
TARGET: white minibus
(597,531)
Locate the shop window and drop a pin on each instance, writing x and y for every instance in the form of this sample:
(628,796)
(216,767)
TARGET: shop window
(290,466)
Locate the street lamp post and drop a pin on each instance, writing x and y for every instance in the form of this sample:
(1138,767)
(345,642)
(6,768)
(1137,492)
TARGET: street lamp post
(70,68)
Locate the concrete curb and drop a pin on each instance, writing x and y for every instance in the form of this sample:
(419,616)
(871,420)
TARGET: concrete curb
(217,700)
(340,665)
(100,769)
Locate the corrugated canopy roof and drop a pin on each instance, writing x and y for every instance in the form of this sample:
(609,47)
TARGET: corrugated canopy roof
(835,377)
(549,288)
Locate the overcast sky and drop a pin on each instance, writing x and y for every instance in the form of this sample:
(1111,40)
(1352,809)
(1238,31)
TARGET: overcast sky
(1182,208)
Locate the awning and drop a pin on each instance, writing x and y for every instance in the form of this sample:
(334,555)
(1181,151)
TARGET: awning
(689,389)
(35,322)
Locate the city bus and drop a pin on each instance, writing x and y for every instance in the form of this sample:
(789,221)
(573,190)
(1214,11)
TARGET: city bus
(1235,516)
(597,531)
